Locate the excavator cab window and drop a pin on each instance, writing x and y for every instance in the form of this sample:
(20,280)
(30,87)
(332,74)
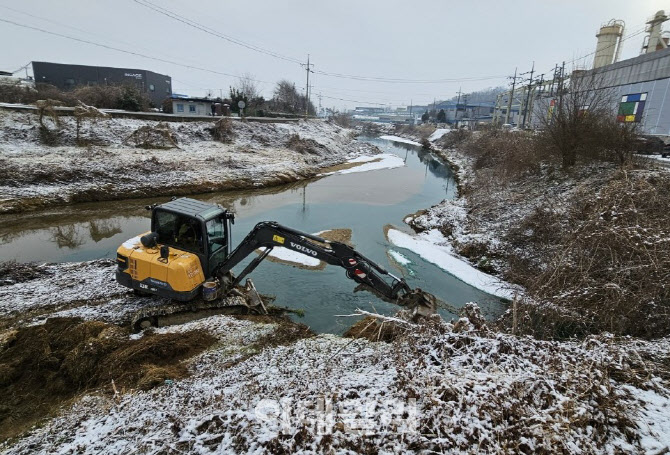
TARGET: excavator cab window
(188,235)
(218,243)
(179,231)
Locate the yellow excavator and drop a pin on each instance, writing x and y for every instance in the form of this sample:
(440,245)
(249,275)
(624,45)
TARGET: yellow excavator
(187,258)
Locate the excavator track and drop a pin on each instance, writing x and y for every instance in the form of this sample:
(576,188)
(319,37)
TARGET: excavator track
(241,300)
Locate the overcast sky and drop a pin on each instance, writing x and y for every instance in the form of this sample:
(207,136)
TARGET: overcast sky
(481,41)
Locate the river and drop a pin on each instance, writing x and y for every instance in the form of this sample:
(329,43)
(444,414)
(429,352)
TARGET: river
(364,202)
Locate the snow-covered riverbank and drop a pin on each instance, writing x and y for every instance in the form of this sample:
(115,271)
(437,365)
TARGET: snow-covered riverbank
(434,247)
(442,387)
(109,167)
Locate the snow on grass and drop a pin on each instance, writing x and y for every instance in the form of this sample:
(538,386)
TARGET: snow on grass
(444,388)
(399,139)
(438,133)
(435,248)
(86,285)
(260,154)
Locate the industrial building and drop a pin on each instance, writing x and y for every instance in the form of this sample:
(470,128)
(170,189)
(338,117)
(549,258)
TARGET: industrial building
(639,86)
(66,77)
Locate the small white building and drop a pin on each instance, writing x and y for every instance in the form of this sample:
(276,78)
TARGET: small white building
(192,106)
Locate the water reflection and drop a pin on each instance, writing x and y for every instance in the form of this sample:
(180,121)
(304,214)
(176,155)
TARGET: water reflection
(67,237)
(103,229)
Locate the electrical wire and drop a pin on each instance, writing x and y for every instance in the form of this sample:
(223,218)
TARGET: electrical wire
(134,45)
(407,81)
(211,31)
(199,26)
(125,51)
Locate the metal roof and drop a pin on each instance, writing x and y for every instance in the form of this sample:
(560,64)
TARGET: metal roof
(192,207)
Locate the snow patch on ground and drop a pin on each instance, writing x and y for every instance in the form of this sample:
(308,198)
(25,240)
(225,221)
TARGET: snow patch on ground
(653,420)
(399,139)
(383,161)
(371,163)
(261,154)
(399,257)
(438,133)
(435,248)
(447,389)
(284,254)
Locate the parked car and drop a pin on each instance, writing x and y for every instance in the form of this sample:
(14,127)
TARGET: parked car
(666,151)
(650,145)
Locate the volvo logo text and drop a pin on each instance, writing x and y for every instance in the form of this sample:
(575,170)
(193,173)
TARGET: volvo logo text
(303,249)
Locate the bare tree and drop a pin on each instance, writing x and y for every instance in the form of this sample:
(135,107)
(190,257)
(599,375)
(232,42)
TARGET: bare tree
(580,121)
(246,89)
(248,86)
(287,99)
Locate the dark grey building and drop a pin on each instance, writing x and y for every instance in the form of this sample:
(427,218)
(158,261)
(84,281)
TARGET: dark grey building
(64,76)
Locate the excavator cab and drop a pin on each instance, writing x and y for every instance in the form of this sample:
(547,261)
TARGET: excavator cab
(189,239)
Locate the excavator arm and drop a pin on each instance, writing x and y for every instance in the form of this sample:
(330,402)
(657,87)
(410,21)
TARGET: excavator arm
(369,275)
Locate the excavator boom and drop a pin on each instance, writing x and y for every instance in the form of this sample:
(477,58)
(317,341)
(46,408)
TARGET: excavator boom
(267,235)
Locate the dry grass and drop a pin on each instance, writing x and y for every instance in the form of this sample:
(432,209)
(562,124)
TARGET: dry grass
(528,396)
(420,131)
(159,136)
(304,146)
(100,96)
(604,263)
(43,366)
(223,131)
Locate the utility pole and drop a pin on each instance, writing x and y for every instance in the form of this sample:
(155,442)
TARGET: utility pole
(308,68)
(457,104)
(496,109)
(553,80)
(560,89)
(511,96)
(530,87)
(536,93)
(465,106)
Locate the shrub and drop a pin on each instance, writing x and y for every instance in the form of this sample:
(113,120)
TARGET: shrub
(583,124)
(222,130)
(501,154)
(126,97)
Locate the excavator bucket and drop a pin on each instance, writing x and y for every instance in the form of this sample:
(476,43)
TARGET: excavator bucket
(420,302)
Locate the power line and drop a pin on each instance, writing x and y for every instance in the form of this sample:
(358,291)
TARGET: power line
(354,101)
(407,81)
(206,29)
(137,54)
(211,31)
(77,29)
